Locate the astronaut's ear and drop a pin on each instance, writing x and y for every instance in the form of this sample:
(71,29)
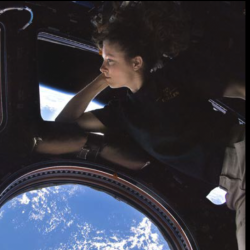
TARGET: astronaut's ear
(137,63)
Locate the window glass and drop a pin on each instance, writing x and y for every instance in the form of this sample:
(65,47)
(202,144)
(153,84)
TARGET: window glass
(75,217)
(64,67)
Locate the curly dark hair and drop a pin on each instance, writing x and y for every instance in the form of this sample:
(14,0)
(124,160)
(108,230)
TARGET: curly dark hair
(149,29)
(206,40)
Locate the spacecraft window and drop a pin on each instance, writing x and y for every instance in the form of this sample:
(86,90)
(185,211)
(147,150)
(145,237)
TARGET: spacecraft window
(137,197)
(75,216)
(65,66)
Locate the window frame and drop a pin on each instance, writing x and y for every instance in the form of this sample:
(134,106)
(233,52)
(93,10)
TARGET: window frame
(2,78)
(122,187)
(62,39)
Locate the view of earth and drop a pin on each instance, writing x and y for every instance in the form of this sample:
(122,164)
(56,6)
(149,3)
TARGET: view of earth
(52,102)
(75,217)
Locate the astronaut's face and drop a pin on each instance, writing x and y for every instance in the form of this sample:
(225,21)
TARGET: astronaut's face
(119,70)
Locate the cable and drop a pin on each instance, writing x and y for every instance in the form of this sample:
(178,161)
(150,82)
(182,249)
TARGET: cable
(20,9)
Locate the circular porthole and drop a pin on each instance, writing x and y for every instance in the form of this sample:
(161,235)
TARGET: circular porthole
(122,188)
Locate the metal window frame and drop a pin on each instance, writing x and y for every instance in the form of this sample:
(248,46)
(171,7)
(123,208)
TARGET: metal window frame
(3,88)
(119,186)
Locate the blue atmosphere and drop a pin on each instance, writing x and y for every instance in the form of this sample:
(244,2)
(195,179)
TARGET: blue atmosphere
(75,217)
(52,101)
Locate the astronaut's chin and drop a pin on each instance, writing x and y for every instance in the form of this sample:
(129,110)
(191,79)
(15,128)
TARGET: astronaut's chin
(113,86)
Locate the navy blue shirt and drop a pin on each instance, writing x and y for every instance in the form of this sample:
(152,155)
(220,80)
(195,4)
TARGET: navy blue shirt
(173,126)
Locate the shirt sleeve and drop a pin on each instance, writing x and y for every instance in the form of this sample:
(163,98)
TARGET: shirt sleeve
(110,115)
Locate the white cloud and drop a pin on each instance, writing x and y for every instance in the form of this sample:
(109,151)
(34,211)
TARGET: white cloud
(143,234)
(42,209)
(141,237)
(24,200)
(56,214)
(70,223)
(54,101)
(1,214)
(114,238)
(100,232)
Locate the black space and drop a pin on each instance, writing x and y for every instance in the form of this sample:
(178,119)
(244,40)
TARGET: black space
(69,69)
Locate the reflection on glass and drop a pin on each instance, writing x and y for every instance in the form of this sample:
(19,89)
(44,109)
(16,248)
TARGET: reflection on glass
(75,217)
